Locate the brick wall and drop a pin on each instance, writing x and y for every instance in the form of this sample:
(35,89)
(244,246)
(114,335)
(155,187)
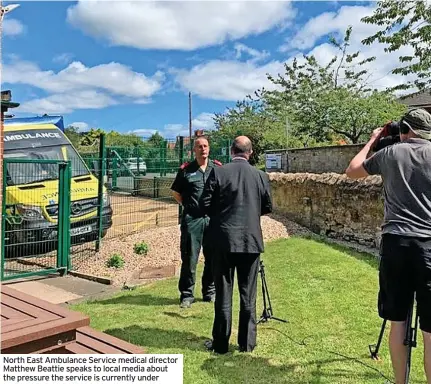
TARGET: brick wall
(330,204)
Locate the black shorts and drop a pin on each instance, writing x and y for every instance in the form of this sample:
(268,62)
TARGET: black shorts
(405,267)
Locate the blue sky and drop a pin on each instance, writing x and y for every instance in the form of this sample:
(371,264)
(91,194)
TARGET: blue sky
(128,66)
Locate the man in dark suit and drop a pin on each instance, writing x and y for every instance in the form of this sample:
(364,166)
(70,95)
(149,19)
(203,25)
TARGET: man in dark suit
(235,196)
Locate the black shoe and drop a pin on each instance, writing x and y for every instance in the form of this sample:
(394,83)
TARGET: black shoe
(209,299)
(244,349)
(210,347)
(187,302)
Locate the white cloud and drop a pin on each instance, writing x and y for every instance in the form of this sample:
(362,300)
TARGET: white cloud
(63,58)
(331,22)
(12,27)
(113,77)
(232,80)
(336,23)
(174,130)
(202,121)
(168,131)
(61,103)
(226,80)
(143,132)
(183,25)
(78,86)
(253,53)
(82,126)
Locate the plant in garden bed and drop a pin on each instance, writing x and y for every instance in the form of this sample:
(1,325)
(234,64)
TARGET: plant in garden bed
(141,248)
(115,261)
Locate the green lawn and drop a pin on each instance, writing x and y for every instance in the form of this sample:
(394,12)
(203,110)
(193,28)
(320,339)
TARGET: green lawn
(327,294)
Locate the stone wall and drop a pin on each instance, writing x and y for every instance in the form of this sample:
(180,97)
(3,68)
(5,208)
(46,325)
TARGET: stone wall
(322,159)
(330,204)
(334,158)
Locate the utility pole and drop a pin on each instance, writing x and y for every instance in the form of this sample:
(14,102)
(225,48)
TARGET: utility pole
(287,132)
(190,118)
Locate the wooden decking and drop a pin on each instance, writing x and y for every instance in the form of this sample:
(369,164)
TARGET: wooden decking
(31,325)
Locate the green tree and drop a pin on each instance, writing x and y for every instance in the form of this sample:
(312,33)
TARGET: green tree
(91,138)
(72,133)
(156,140)
(249,118)
(117,139)
(405,23)
(333,101)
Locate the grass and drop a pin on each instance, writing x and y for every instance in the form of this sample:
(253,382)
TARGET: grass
(326,292)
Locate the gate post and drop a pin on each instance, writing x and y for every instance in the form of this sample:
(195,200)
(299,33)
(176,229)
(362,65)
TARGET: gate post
(64,184)
(102,171)
(181,153)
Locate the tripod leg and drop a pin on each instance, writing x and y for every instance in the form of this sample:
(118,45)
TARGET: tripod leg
(267,312)
(374,348)
(410,340)
(265,315)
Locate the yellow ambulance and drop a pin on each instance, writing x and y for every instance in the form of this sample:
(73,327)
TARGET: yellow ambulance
(32,189)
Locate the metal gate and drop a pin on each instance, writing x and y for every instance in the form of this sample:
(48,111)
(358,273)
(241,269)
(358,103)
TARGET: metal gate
(35,231)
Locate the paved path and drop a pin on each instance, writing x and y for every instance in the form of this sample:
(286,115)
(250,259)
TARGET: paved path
(62,290)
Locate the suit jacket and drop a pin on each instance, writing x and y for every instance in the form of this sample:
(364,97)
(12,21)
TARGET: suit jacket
(235,196)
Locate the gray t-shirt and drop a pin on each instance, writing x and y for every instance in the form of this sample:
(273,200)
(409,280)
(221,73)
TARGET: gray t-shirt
(405,168)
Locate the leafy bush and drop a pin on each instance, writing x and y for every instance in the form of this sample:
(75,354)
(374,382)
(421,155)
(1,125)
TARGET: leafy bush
(141,248)
(115,261)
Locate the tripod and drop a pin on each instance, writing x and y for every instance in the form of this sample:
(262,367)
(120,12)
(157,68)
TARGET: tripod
(267,309)
(409,340)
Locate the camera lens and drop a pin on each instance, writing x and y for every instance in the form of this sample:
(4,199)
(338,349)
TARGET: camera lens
(404,128)
(394,128)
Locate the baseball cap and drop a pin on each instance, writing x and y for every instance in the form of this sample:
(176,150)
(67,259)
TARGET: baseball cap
(419,121)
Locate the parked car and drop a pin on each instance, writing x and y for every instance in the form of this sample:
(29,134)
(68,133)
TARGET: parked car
(132,164)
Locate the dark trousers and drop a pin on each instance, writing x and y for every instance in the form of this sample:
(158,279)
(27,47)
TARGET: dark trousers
(194,236)
(405,268)
(247,268)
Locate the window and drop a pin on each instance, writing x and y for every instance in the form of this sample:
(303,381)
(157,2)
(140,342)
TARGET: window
(27,173)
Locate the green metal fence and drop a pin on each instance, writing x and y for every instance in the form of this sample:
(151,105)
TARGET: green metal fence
(35,217)
(138,179)
(57,214)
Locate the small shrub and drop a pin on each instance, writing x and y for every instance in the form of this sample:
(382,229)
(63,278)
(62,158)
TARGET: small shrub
(115,261)
(141,248)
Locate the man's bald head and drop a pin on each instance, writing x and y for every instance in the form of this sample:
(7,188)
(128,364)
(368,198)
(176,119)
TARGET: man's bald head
(241,146)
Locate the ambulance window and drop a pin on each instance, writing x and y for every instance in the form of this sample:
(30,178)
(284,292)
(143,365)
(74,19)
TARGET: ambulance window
(26,173)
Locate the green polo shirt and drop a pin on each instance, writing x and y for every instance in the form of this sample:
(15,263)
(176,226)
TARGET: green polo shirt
(190,182)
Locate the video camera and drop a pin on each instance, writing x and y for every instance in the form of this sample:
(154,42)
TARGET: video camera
(390,135)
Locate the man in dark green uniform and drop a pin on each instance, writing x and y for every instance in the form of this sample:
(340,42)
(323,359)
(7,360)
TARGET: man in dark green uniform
(187,189)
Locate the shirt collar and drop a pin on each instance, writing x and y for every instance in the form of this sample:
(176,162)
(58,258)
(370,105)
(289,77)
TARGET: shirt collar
(417,140)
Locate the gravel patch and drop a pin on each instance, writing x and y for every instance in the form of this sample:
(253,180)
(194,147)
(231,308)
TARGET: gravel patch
(164,245)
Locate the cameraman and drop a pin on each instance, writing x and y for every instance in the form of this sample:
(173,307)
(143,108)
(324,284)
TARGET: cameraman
(405,265)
